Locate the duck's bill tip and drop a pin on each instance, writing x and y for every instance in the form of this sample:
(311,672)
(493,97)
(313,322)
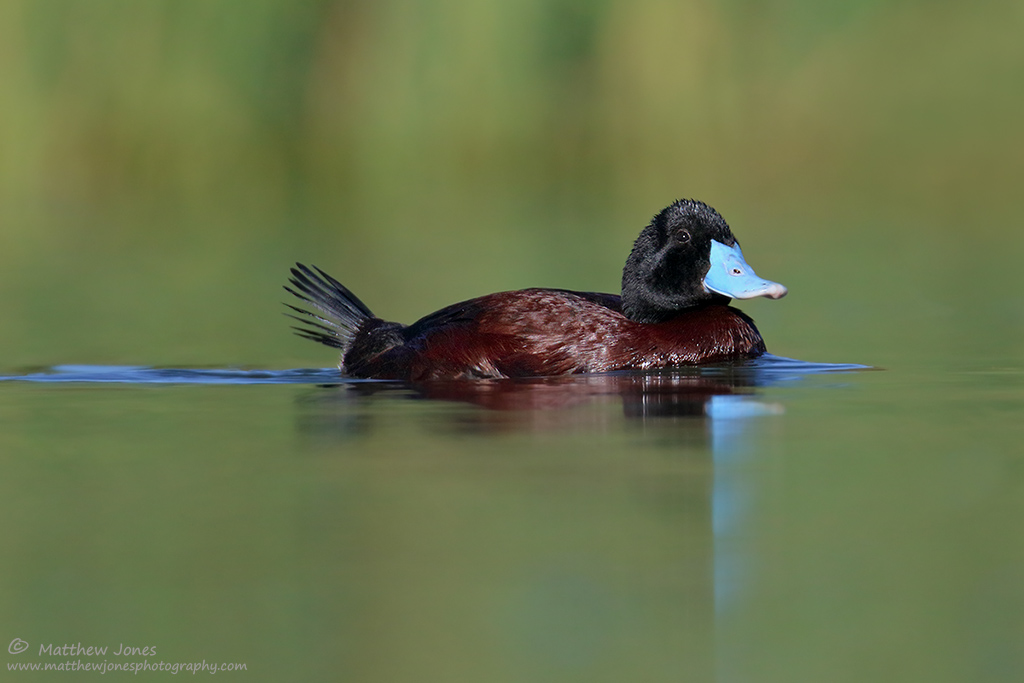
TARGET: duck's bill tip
(775,291)
(752,290)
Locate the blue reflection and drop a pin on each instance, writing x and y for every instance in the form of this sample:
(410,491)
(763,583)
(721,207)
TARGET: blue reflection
(731,497)
(143,374)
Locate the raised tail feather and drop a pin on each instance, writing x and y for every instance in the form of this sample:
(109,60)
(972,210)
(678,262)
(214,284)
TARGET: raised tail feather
(340,312)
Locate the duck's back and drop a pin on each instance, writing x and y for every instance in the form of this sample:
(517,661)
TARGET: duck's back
(536,332)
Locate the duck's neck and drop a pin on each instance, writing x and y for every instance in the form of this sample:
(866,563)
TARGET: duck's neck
(650,307)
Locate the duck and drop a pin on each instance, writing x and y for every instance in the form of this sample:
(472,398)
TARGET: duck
(673,310)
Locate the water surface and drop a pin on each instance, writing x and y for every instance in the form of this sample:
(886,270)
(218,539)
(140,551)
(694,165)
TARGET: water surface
(770,520)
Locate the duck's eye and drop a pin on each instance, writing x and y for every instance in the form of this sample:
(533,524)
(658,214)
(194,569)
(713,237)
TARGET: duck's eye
(737,271)
(682,235)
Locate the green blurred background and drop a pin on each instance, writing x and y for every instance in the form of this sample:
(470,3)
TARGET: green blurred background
(162,163)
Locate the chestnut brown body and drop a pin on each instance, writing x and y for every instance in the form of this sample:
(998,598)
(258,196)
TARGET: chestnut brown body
(536,332)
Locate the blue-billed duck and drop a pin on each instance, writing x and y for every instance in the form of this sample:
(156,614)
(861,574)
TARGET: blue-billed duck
(684,268)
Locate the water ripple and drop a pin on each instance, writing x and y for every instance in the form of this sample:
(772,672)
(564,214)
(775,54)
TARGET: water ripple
(768,369)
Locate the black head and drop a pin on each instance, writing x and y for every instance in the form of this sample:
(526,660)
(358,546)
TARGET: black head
(668,269)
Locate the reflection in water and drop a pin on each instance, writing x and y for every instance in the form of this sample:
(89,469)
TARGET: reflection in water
(703,414)
(727,391)
(710,410)
(338,408)
(642,395)
(551,404)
